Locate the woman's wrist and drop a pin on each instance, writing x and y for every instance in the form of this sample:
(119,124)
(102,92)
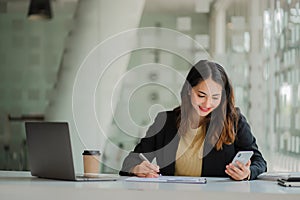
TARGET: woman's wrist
(131,171)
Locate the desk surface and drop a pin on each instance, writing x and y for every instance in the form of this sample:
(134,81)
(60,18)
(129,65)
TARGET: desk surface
(21,185)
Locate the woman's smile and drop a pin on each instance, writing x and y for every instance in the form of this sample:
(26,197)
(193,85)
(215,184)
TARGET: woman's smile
(204,109)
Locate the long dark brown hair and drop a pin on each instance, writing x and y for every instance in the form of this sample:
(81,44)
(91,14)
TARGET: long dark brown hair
(220,124)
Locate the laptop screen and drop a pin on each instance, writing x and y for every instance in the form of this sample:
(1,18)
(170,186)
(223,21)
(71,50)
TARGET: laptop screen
(49,150)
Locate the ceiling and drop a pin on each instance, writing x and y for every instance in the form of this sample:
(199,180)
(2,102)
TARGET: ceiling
(174,6)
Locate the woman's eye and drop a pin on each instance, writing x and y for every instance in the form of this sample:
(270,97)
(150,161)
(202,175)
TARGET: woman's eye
(215,98)
(201,96)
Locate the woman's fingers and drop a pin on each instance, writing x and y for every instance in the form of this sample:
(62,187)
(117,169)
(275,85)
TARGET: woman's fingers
(146,169)
(151,166)
(152,175)
(240,172)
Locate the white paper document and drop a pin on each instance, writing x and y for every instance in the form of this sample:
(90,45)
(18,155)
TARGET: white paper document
(169,179)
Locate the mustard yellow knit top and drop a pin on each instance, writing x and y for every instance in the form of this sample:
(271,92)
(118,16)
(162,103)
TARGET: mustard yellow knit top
(189,153)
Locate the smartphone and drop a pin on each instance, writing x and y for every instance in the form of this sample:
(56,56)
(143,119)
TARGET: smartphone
(289,182)
(242,156)
(291,178)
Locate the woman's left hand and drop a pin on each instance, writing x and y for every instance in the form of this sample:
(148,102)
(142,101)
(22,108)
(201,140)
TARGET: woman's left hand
(241,172)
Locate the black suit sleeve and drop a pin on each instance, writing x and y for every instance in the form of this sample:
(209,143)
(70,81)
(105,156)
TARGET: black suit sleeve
(148,145)
(245,141)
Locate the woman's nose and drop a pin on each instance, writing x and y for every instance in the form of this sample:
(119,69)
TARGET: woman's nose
(207,103)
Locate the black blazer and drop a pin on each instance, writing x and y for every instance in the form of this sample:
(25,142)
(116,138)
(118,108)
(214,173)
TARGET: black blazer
(161,141)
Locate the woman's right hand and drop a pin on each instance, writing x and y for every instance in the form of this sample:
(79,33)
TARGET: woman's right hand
(146,169)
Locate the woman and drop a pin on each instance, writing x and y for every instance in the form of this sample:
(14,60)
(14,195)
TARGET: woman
(200,137)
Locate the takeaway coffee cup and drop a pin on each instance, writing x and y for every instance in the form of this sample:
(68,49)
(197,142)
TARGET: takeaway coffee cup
(91,160)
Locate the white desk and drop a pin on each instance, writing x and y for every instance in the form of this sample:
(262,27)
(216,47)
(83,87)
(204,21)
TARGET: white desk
(21,185)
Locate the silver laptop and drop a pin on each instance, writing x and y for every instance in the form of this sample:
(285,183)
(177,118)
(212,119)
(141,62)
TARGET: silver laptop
(50,153)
